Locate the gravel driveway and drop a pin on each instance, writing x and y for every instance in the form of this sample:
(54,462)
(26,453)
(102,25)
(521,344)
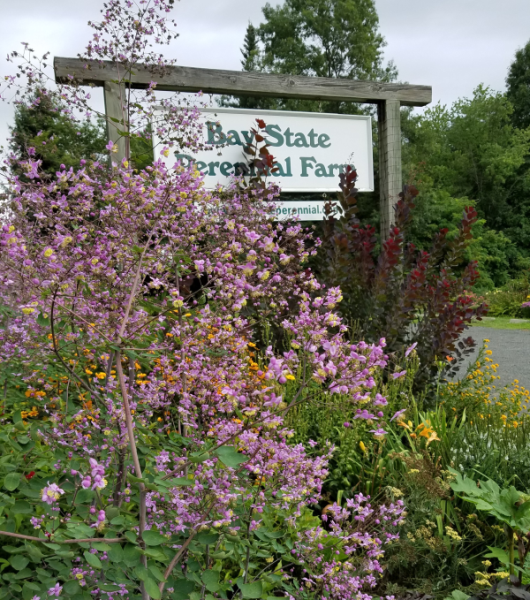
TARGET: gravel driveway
(511,350)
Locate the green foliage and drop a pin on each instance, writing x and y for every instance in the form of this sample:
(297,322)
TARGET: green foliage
(250,50)
(518,87)
(470,150)
(337,38)
(507,301)
(46,125)
(323,38)
(215,560)
(507,506)
(471,153)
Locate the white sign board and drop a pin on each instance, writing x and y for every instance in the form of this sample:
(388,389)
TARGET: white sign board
(310,149)
(305,210)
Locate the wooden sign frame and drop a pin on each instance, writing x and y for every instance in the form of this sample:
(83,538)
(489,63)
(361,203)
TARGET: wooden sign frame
(388,97)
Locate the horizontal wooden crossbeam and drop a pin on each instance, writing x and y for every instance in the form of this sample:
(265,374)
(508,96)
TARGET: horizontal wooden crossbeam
(239,83)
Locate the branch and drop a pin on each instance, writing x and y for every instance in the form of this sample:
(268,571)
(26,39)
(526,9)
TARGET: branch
(32,538)
(56,350)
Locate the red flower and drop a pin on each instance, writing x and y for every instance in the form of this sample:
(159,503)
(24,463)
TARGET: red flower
(30,475)
(261,123)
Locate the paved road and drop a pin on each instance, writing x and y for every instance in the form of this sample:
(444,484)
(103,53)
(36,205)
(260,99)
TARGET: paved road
(511,350)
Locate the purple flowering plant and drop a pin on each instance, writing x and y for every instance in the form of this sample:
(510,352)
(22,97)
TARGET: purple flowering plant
(161,465)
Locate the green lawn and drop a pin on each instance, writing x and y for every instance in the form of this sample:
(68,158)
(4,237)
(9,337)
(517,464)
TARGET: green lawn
(501,323)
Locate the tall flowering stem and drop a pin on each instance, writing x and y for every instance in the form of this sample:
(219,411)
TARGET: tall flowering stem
(139,306)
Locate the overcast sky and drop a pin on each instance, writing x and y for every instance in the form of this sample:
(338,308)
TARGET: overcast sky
(453,45)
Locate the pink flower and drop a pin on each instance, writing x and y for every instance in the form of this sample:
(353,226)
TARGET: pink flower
(398,414)
(399,375)
(51,493)
(55,591)
(378,433)
(410,349)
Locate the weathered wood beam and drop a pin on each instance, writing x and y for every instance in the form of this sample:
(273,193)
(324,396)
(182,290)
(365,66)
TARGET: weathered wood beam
(390,182)
(114,109)
(238,83)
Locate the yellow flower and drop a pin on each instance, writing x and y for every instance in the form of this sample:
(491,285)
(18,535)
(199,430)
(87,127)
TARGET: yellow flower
(48,252)
(363,447)
(101,375)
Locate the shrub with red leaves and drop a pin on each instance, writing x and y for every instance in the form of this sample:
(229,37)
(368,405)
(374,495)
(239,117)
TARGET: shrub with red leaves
(401,293)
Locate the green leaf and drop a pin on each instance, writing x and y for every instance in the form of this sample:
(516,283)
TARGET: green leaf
(179,481)
(42,321)
(92,560)
(112,512)
(29,589)
(109,587)
(12,481)
(22,508)
(72,587)
(153,538)
(457,595)
(131,555)
(207,538)
(24,574)
(500,554)
(198,457)
(18,562)
(250,590)
(84,496)
(141,572)
(230,457)
(151,588)
(115,553)
(157,573)
(131,536)
(183,588)
(155,553)
(210,579)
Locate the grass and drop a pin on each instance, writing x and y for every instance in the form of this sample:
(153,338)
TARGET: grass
(501,323)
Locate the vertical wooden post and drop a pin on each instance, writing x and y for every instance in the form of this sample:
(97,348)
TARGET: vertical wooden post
(390,181)
(115,109)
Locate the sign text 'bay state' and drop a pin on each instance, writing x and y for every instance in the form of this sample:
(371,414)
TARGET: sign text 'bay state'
(310,149)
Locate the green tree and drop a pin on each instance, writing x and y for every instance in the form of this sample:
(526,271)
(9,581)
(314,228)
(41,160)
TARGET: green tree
(251,62)
(471,153)
(470,150)
(518,87)
(250,50)
(322,38)
(46,125)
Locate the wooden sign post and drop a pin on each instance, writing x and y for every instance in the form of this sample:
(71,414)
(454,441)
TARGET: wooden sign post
(388,97)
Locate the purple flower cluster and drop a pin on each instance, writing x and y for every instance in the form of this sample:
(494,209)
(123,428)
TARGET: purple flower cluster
(162,285)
